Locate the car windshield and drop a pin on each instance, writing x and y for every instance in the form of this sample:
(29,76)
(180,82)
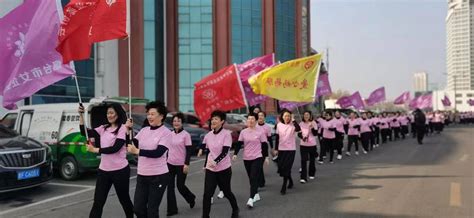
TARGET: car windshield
(6,132)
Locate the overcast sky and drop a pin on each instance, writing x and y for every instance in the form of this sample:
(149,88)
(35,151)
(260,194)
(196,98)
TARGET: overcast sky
(381,42)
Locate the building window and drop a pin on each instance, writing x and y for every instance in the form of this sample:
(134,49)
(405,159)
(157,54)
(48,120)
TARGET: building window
(149,25)
(194,47)
(246,30)
(458,95)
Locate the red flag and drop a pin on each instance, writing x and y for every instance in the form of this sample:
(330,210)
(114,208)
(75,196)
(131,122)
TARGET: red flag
(74,29)
(221,90)
(109,21)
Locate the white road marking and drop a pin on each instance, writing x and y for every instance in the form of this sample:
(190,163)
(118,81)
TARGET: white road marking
(455,196)
(71,185)
(464,157)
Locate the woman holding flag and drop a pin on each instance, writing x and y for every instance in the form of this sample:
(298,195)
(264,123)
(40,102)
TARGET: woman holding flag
(113,168)
(151,145)
(267,131)
(255,152)
(308,150)
(285,147)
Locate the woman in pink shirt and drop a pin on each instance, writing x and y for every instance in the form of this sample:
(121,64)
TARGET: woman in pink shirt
(179,155)
(217,144)
(353,133)
(255,151)
(395,124)
(113,168)
(339,142)
(267,132)
(285,147)
(151,145)
(328,131)
(308,150)
(365,132)
(403,119)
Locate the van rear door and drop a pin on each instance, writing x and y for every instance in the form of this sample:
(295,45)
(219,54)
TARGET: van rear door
(45,125)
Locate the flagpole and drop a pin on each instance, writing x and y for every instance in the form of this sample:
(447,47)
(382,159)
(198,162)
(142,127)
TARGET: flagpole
(80,103)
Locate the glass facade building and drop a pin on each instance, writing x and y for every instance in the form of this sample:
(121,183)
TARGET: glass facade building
(246,30)
(195,51)
(149,24)
(285,30)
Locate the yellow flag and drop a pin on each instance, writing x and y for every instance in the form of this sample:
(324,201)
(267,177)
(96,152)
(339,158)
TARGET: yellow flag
(294,80)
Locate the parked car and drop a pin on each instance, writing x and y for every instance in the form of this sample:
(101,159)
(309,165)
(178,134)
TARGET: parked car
(24,162)
(57,125)
(197,134)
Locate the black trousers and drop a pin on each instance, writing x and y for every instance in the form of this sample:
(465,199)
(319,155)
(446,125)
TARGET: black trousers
(148,194)
(327,145)
(390,133)
(353,140)
(211,181)
(420,133)
(431,125)
(176,174)
(365,138)
(404,130)
(377,135)
(339,142)
(308,153)
(372,140)
(384,133)
(121,181)
(261,177)
(253,168)
(413,130)
(396,132)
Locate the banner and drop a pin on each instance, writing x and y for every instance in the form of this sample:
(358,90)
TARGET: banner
(29,62)
(422,102)
(403,98)
(446,102)
(354,100)
(376,96)
(293,80)
(292,105)
(221,90)
(251,68)
(470,102)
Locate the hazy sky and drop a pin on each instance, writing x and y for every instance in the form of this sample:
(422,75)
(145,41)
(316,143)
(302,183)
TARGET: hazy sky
(380,42)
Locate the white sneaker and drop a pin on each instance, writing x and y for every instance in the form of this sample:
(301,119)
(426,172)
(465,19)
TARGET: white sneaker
(302,181)
(311,177)
(357,153)
(220,195)
(377,145)
(339,157)
(320,162)
(274,158)
(212,200)
(348,153)
(365,152)
(250,203)
(256,197)
(332,162)
(300,170)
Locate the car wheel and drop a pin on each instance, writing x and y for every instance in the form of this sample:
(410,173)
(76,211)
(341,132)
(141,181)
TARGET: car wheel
(69,169)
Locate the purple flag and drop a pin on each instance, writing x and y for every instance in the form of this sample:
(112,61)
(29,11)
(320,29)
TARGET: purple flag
(404,97)
(470,102)
(376,96)
(30,62)
(291,105)
(354,100)
(446,102)
(324,88)
(422,102)
(250,68)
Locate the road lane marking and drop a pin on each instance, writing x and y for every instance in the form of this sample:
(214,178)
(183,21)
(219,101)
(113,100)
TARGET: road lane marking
(455,198)
(71,185)
(45,201)
(464,158)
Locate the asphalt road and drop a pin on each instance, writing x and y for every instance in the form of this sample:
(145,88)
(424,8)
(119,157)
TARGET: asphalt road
(399,179)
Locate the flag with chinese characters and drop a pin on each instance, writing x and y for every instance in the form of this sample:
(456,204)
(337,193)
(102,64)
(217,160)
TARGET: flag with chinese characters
(250,68)
(88,21)
(292,105)
(221,90)
(404,97)
(446,102)
(354,100)
(324,87)
(293,80)
(376,96)
(29,61)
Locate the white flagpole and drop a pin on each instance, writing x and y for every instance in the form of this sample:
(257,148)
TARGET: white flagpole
(80,103)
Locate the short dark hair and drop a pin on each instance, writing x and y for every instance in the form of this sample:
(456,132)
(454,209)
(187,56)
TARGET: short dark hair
(310,115)
(283,111)
(159,106)
(263,112)
(254,115)
(179,115)
(217,113)
(329,113)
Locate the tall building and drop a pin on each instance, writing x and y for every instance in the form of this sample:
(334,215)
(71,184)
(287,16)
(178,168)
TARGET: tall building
(460,45)
(420,82)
